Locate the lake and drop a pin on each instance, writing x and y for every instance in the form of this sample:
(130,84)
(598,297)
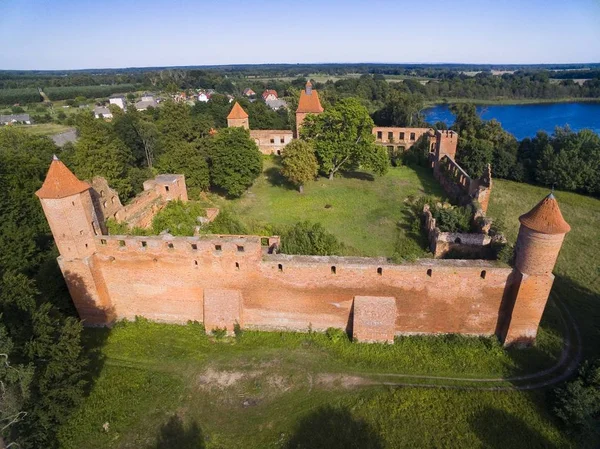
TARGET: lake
(524,120)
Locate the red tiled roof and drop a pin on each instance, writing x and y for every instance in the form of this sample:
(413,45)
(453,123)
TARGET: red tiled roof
(268,92)
(237,112)
(546,218)
(60,182)
(309,103)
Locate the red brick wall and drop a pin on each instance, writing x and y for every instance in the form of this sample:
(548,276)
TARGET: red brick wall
(167,285)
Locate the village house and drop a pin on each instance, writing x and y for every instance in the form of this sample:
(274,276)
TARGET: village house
(249,92)
(14,119)
(203,96)
(102,112)
(148,100)
(269,94)
(118,100)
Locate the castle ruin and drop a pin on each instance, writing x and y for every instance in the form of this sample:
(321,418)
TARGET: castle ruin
(222,280)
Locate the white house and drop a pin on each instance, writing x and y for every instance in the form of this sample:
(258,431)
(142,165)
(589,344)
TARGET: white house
(15,118)
(118,100)
(203,96)
(102,112)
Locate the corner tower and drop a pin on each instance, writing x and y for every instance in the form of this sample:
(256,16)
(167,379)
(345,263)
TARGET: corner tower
(238,117)
(446,143)
(68,206)
(540,239)
(308,103)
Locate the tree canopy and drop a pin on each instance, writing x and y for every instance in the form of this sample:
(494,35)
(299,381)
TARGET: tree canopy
(299,163)
(343,139)
(235,161)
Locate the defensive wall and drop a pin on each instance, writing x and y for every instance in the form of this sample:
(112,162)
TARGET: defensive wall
(223,280)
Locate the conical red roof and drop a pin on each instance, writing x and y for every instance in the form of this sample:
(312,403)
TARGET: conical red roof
(60,182)
(237,112)
(546,218)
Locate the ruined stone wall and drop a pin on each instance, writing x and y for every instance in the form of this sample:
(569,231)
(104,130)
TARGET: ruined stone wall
(271,141)
(170,278)
(402,138)
(142,209)
(459,244)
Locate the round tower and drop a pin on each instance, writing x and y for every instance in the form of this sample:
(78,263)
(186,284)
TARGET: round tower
(541,235)
(69,209)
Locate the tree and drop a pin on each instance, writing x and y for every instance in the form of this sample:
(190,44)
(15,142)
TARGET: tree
(343,139)
(99,152)
(24,234)
(577,403)
(474,156)
(299,163)
(235,161)
(185,158)
(49,347)
(401,109)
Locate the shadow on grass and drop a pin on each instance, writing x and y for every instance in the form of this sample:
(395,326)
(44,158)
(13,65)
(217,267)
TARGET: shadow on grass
(276,179)
(497,429)
(363,176)
(175,435)
(333,428)
(584,305)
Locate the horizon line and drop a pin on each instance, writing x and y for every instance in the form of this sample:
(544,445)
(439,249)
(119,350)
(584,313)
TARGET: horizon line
(468,64)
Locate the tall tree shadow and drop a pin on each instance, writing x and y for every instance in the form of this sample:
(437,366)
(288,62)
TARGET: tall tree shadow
(497,429)
(276,179)
(333,428)
(175,435)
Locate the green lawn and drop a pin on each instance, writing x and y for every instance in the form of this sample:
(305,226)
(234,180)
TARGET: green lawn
(284,390)
(44,129)
(167,386)
(363,213)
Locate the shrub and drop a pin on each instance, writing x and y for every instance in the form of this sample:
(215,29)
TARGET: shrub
(225,223)
(453,219)
(337,335)
(310,239)
(219,333)
(179,218)
(577,403)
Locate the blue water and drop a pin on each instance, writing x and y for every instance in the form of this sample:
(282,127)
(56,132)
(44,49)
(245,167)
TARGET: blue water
(524,120)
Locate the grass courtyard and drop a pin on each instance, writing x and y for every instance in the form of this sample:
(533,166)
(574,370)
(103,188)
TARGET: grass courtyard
(366,213)
(167,386)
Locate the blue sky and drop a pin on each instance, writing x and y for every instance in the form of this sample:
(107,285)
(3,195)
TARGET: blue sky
(69,34)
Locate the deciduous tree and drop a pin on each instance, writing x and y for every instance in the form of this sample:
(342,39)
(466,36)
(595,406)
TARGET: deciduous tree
(299,163)
(235,161)
(343,139)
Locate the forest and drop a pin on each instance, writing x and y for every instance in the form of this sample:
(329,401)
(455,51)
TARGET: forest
(434,82)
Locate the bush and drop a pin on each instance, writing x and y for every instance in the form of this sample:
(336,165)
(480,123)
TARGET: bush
(337,335)
(178,218)
(310,239)
(219,333)
(452,218)
(577,404)
(225,223)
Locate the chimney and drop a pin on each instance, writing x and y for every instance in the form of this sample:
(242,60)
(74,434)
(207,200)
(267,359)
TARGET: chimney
(308,88)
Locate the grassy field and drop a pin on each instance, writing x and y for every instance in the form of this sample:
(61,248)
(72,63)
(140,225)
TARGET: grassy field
(295,390)
(364,212)
(167,386)
(44,129)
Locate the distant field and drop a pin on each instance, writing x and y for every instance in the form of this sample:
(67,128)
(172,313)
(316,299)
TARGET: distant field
(44,129)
